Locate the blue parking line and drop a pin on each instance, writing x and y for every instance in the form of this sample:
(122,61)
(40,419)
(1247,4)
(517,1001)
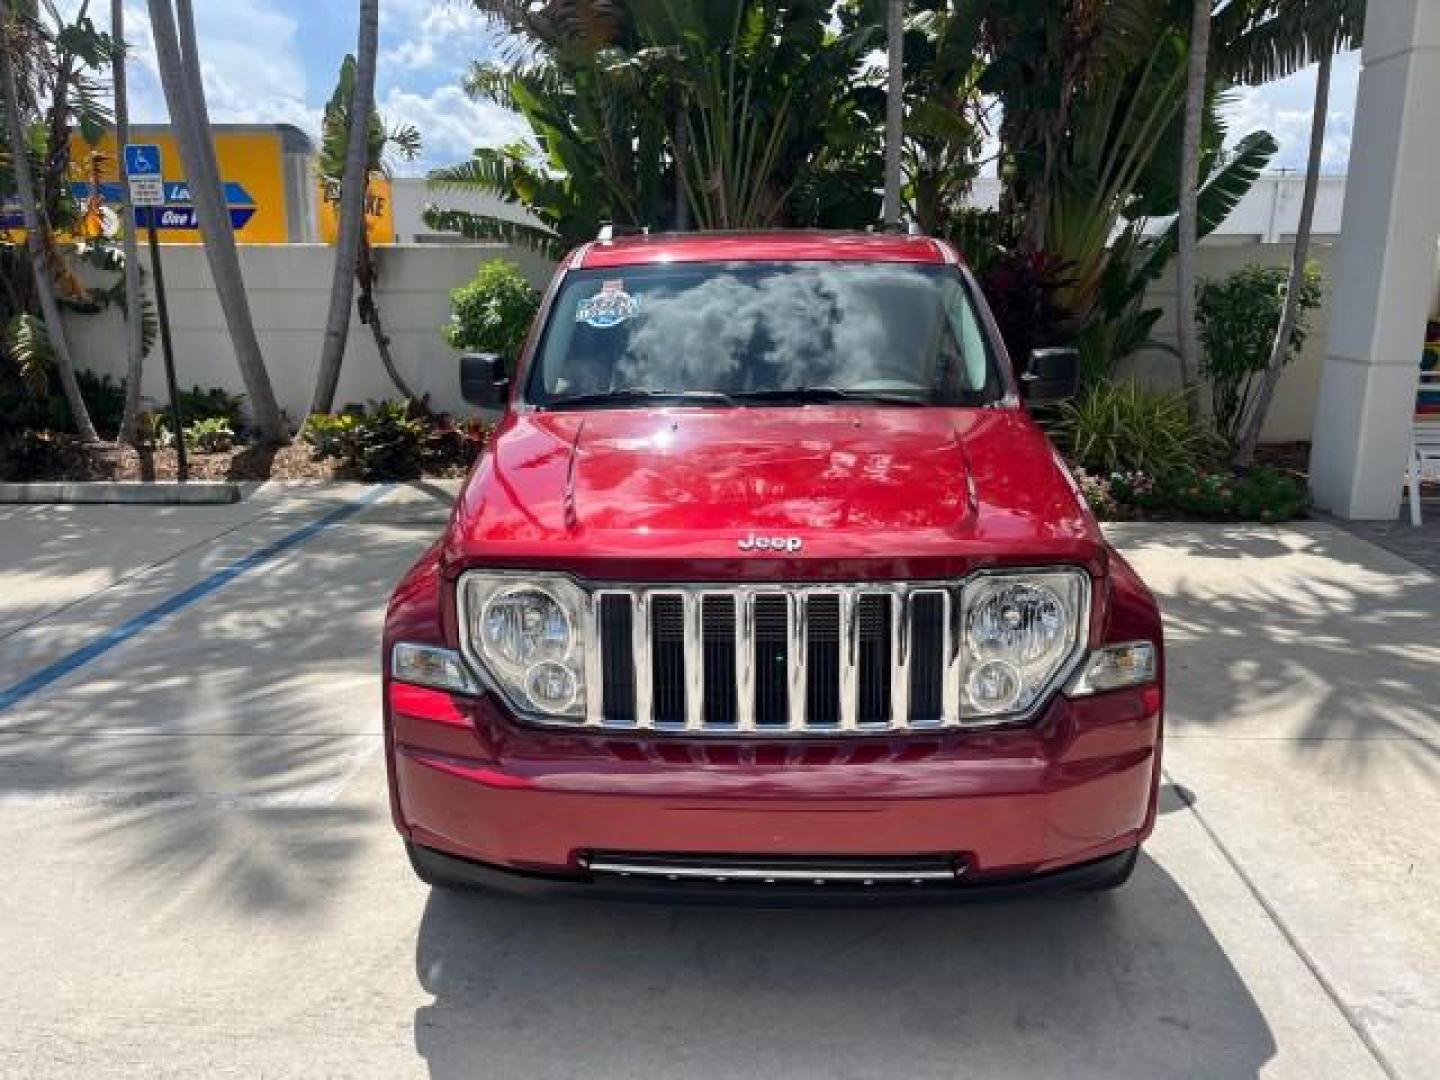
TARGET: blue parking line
(23,689)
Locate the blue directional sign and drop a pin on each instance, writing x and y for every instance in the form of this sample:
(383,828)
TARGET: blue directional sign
(175,211)
(142,159)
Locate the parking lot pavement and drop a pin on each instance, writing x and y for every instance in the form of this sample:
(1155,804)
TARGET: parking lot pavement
(201,878)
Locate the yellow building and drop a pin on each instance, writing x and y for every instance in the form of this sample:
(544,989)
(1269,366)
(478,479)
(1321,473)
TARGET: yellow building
(268,171)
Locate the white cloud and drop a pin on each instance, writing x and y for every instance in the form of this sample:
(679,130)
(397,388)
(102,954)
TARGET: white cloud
(450,124)
(418,36)
(1284,109)
(252,68)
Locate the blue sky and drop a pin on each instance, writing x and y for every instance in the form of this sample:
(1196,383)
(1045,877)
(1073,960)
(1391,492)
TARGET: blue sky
(269,61)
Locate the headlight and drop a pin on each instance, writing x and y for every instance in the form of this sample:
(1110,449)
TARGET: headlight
(1021,631)
(526,633)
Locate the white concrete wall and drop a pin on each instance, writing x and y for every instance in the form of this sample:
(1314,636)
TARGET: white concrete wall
(1292,413)
(289,290)
(1270,210)
(289,293)
(411,194)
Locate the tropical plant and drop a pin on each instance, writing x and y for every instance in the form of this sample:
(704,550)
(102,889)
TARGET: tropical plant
(1285,37)
(1021,289)
(178,57)
(215,403)
(56,56)
(1091,144)
(730,113)
(329,434)
(946,115)
(389,443)
(597,153)
(1124,427)
(212,436)
(493,312)
(352,134)
(1237,316)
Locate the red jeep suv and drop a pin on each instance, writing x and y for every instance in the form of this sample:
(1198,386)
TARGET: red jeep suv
(768,582)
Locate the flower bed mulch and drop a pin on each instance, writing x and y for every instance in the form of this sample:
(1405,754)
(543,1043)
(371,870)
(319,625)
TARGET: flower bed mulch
(64,457)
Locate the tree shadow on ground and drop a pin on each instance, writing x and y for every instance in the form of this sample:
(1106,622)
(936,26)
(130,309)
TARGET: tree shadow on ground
(208,754)
(1305,635)
(1130,984)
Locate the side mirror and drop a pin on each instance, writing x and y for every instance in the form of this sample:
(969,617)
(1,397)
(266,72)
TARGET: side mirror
(483,381)
(1051,375)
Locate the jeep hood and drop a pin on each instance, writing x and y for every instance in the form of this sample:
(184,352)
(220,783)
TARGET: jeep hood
(894,492)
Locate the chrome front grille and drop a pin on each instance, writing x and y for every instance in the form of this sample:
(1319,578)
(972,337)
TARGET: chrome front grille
(774,659)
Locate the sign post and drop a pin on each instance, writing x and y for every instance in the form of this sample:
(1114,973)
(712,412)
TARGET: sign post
(146,177)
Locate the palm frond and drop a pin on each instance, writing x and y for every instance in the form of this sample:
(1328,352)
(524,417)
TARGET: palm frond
(27,344)
(496,230)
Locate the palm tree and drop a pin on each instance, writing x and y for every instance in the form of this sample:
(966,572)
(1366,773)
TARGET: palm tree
(894,109)
(185,97)
(1288,37)
(350,218)
(37,227)
(341,135)
(1195,98)
(134,328)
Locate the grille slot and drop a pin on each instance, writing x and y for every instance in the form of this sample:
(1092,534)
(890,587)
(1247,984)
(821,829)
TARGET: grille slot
(772,627)
(718,631)
(833,659)
(927,647)
(617,659)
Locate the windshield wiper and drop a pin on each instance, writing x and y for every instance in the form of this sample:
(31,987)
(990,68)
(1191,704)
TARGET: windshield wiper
(631,395)
(805,394)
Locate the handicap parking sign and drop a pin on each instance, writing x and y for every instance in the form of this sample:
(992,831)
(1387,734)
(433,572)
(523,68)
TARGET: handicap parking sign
(142,159)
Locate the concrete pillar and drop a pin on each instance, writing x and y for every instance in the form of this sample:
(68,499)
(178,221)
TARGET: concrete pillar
(1385,262)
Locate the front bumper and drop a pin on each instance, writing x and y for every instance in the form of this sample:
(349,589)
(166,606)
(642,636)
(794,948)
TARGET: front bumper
(437,866)
(1076,786)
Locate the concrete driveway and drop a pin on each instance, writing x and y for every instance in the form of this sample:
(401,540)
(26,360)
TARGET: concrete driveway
(200,878)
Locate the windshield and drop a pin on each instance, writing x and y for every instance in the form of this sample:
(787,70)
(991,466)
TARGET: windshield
(764,333)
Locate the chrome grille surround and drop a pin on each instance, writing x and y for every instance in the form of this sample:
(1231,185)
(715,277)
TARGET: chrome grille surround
(909,643)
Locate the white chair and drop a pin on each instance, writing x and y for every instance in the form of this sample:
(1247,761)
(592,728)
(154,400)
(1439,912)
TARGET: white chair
(1424,443)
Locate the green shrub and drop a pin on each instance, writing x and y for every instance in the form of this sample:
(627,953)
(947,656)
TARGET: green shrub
(493,312)
(1122,427)
(21,406)
(212,436)
(1267,494)
(386,442)
(457,444)
(1263,494)
(211,404)
(105,400)
(35,455)
(330,434)
(1238,317)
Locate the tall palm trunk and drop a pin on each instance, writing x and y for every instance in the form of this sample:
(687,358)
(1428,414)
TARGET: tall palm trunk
(185,97)
(1255,420)
(1189,337)
(894,110)
(134,328)
(37,241)
(350,224)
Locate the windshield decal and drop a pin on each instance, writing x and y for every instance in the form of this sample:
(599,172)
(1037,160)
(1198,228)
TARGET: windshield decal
(611,306)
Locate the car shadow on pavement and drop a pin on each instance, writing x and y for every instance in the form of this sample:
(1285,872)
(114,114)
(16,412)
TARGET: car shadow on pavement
(1115,985)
